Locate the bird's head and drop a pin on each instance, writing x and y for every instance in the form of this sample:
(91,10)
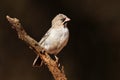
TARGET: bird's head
(60,20)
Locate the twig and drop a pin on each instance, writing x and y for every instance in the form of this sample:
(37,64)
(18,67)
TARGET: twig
(52,65)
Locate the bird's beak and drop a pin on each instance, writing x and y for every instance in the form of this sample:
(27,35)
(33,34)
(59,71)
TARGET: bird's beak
(67,19)
(65,22)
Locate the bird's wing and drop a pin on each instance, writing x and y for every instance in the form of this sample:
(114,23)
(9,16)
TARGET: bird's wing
(37,62)
(45,36)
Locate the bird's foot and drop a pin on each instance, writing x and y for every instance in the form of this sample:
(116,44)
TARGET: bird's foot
(56,60)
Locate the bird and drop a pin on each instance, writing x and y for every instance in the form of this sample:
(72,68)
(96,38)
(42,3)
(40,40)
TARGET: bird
(56,38)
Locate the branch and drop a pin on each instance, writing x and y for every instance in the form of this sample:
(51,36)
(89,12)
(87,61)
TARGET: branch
(52,65)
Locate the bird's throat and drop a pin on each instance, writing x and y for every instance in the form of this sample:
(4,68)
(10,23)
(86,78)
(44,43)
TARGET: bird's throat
(65,24)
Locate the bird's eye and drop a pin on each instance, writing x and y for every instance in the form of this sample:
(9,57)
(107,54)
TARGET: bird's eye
(63,19)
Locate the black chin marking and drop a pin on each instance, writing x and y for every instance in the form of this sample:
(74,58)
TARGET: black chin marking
(65,24)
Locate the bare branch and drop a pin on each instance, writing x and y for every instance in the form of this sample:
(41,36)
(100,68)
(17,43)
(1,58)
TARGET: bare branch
(52,65)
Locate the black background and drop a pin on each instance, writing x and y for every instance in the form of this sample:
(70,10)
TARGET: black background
(92,53)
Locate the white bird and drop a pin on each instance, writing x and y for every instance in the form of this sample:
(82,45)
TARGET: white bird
(56,37)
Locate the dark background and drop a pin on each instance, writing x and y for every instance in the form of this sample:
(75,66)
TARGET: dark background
(92,53)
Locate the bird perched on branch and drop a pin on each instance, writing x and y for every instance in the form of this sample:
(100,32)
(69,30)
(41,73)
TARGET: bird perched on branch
(56,37)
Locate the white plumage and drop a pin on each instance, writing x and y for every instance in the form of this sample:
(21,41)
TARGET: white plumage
(56,37)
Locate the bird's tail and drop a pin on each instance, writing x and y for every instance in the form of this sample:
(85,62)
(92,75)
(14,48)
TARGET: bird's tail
(37,62)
